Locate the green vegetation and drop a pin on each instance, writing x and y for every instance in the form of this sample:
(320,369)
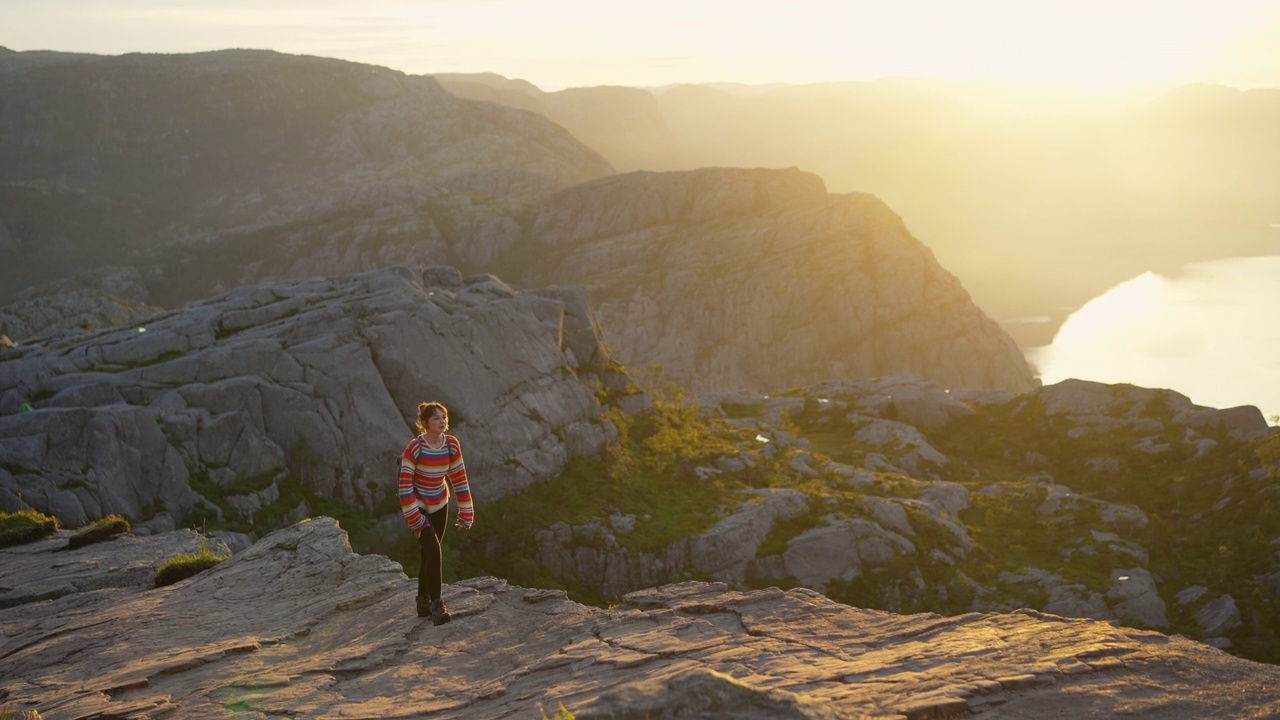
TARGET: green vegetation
(651,476)
(25,526)
(1205,523)
(184,566)
(8,714)
(101,529)
(561,713)
(1203,528)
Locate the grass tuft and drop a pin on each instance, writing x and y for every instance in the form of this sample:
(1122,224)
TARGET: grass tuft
(184,566)
(561,713)
(99,530)
(25,526)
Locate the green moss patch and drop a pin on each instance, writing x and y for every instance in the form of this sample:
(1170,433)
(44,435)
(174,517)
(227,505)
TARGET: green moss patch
(185,566)
(106,528)
(25,526)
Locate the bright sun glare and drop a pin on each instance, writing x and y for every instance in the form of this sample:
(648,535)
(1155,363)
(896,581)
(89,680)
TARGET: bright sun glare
(562,43)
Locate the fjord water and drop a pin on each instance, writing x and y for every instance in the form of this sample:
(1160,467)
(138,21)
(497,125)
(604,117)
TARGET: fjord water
(1210,331)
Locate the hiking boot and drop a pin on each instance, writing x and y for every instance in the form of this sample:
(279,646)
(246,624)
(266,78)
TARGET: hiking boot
(439,613)
(424,606)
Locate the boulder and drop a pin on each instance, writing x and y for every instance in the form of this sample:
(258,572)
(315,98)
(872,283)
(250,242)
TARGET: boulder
(1191,594)
(1219,615)
(726,550)
(952,498)
(1271,581)
(839,550)
(1135,599)
(1077,398)
(906,446)
(1242,423)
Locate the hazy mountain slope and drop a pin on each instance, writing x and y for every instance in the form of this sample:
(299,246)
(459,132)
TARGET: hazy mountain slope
(106,159)
(624,124)
(1037,199)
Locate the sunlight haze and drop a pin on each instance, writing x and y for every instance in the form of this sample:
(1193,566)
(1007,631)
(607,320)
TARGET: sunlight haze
(571,43)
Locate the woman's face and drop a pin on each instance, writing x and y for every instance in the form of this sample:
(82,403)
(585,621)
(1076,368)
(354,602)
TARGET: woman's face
(438,421)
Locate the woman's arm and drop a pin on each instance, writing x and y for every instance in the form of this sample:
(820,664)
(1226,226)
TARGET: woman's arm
(457,475)
(408,497)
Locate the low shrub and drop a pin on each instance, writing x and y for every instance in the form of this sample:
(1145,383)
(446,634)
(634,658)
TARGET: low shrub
(25,526)
(184,566)
(101,529)
(7,714)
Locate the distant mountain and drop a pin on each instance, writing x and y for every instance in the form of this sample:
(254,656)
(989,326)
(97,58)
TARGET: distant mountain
(1037,197)
(624,124)
(118,160)
(196,174)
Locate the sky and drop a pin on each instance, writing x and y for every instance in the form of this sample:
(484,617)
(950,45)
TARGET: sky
(572,43)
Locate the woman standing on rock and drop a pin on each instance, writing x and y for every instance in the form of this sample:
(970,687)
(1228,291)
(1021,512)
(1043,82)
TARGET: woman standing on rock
(430,464)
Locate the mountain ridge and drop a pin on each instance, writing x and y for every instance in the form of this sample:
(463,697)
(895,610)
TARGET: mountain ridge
(141,152)
(207,172)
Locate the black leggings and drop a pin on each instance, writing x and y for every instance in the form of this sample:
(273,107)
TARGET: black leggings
(431,567)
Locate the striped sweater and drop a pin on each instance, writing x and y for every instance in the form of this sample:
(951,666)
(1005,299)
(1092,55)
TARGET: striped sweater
(423,471)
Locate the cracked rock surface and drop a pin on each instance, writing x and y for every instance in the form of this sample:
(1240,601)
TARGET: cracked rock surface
(316,380)
(298,625)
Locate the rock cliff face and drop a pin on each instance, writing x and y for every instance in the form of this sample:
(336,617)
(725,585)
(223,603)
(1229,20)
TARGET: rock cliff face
(251,402)
(299,625)
(760,279)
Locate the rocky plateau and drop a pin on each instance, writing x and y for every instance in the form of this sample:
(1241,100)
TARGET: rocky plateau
(300,626)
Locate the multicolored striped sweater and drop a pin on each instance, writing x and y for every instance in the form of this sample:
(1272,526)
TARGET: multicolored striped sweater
(423,471)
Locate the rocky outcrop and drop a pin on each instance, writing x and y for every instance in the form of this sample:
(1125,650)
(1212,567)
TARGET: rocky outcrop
(311,385)
(1098,407)
(298,624)
(94,300)
(759,279)
(931,517)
